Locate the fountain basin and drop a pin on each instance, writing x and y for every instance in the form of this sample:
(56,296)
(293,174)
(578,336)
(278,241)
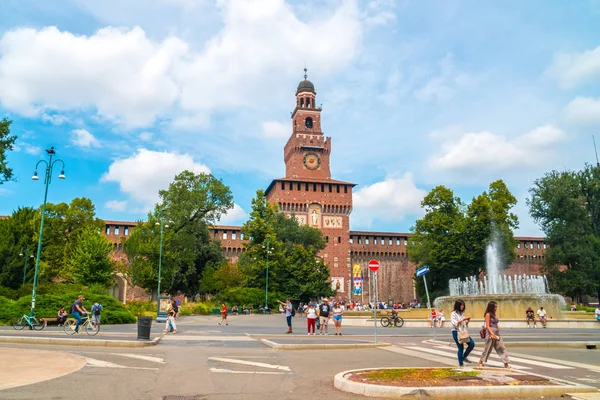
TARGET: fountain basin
(510,306)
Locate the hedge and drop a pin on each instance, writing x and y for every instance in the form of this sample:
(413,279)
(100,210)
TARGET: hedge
(47,306)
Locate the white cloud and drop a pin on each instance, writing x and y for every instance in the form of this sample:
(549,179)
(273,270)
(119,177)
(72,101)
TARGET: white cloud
(116,205)
(143,174)
(33,150)
(445,83)
(145,136)
(474,153)
(55,119)
(82,138)
(573,69)
(132,79)
(389,200)
(236,215)
(583,110)
(275,130)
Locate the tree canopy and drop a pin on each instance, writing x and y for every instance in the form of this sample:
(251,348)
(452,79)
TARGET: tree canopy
(452,237)
(566,205)
(7,142)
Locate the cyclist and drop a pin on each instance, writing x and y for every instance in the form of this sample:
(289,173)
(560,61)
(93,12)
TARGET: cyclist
(96,310)
(78,310)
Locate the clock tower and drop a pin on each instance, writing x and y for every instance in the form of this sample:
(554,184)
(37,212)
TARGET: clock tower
(307,191)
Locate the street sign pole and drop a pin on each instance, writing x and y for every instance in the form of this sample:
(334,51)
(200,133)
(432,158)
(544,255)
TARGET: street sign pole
(429,307)
(375,309)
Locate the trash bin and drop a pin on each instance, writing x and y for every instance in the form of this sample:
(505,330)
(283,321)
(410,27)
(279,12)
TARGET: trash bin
(144,326)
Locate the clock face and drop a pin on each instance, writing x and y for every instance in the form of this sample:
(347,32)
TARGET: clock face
(312,161)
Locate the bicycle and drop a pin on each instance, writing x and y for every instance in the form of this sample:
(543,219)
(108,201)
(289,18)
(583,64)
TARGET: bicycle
(29,320)
(394,319)
(86,324)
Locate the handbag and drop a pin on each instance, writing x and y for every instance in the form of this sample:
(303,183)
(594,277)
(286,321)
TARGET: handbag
(463,336)
(483,332)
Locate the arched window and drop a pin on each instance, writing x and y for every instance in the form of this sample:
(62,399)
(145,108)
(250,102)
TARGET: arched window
(308,103)
(302,102)
(308,122)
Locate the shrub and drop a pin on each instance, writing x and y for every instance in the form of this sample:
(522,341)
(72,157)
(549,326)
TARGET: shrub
(140,307)
(8,293)
(248,296)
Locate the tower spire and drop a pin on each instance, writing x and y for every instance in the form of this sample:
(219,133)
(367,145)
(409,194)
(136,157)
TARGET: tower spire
(305,71)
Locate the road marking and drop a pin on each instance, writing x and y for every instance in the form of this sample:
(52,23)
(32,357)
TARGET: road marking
(140,357)
(172,338)
(254,364)
(594,368)
(453,356)
(227,371)
(405,351)
(92,362)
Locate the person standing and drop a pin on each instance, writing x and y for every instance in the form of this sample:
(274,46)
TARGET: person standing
(96,310)
(287,309)
(597,313)
(542,316)
(324,315)
(460,322)
(172,311)
(223,314)
(338,311)
(78,310)
(493,338)
(311,318)
(61,317)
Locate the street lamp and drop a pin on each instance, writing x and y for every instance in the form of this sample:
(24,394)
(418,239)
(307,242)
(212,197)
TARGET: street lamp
(162,226)
(268,249)
(47,179)
(27,257)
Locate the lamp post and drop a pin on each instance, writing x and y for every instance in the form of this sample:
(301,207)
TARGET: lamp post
(47,179)
(162,227)
(27,257)
(267,247)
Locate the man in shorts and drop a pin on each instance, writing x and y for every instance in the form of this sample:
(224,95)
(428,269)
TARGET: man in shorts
(96,310)
(324,314)
(542,315)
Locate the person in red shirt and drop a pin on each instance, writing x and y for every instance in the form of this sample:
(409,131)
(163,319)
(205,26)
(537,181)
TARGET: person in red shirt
(224,314)
(433,318)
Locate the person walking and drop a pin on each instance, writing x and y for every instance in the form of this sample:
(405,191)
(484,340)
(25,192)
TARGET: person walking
(311,318)
(337,318)
(96,310)
(460,322)
(493,338)
(288,311)
(324,315)
(223,314)
(78,310)
(172,311)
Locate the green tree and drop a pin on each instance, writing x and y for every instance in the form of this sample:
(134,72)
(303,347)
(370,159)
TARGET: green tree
(191,204)
(90,258)
(17,237)
(7,142)
(452,237)
(294,268)
(566,205)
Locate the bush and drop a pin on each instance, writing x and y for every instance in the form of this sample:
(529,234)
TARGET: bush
(47,306)
(248,296)
(8,293)
(138,308)
(195,308)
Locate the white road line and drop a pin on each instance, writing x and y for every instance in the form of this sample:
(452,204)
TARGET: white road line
(595,368)
(417,354)
(255,364)
(140,357)
(226,371)
(522,360)
(453,355)
(92,362)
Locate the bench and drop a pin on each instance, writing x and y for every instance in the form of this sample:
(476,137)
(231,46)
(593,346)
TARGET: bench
(53,321)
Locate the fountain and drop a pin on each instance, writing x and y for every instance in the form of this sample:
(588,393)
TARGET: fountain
(514,293)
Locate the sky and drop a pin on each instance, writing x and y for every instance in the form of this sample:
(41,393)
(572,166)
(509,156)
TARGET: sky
(415,94)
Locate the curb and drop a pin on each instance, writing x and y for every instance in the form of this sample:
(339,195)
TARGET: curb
(454,392)
(79,342)
(321,346)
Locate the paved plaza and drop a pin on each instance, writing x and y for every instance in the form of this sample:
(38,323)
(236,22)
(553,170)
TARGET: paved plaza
(221,362)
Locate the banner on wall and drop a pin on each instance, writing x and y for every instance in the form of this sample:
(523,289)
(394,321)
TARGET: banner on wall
(337,284)
(357,279)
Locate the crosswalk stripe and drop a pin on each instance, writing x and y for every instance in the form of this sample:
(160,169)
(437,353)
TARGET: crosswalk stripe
(227,371)
(252,363)
(140,357)
(172,338)
(453,356)
(521,360)
(92,362)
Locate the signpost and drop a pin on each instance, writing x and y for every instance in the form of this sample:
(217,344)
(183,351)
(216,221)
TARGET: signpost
(373,267)
(421,272)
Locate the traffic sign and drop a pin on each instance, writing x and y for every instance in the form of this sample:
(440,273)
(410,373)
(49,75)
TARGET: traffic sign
(374,265)
(423,270)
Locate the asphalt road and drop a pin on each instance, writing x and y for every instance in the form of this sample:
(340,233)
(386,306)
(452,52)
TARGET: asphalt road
(224,362)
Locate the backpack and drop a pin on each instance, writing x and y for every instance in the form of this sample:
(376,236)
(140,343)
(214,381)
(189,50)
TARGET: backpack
(293,312)
(72,309)
(96,310)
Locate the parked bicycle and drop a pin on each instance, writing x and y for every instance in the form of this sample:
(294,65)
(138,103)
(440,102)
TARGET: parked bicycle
(31,321)
(86,324)
(394,320)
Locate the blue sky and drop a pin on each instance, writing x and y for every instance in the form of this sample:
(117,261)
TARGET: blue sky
(415,94)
